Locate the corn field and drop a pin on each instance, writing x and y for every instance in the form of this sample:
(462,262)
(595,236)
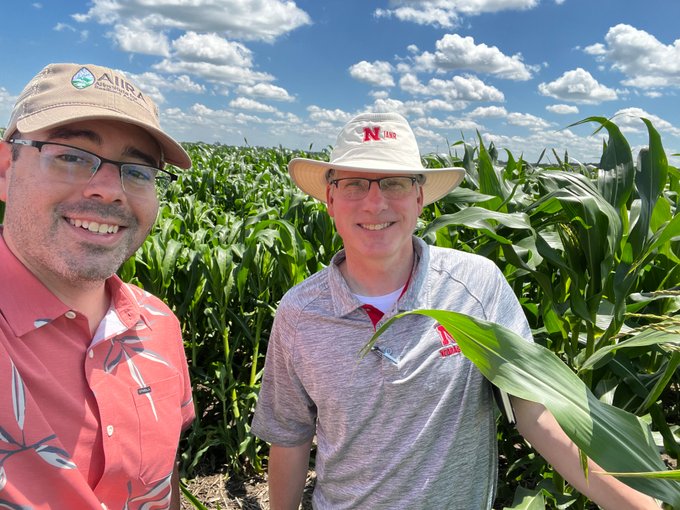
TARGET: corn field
(591,251)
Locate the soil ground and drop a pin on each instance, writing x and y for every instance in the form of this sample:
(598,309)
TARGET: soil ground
(219,491)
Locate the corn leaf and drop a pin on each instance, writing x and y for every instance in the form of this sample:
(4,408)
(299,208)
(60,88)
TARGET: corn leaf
(617,440)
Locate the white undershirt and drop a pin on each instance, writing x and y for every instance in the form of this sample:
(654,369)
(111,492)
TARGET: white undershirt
(383,303)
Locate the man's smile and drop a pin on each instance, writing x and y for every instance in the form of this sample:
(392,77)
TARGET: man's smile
(93,226)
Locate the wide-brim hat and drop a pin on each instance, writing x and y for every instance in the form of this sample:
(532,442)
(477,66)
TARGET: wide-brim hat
(375,143)
(65,93)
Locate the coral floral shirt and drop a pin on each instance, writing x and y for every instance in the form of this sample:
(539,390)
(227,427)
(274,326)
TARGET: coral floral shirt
(87,422)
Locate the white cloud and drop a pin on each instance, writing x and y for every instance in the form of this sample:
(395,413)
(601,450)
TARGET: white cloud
(266,91)
(629,119)
(135,37)
(153,85)
(212,48)
(489,111)
(513,118)
(213,72)
(646,62)
(243,103)
(462,88)
(445,13)
(321,114)
(562,109)
(454,52)
(262,20)
(527,120)
(60,27)
(578,86)
(378,73)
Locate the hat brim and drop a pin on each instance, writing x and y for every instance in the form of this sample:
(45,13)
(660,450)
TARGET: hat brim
(173,152)
(310,176)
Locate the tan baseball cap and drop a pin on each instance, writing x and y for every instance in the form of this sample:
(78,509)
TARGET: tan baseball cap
(375,143)
(65,93)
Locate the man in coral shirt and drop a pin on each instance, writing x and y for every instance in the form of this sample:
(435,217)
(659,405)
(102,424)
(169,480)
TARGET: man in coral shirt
(94,387)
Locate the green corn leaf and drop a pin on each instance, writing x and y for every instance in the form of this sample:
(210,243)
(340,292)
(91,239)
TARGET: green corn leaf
(617,172)
(618,441)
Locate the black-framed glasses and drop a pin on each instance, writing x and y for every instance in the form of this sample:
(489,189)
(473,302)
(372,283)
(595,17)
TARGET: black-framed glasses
(73,165)
(357,188)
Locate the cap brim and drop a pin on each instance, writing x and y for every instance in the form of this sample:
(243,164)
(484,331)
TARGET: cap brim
(173,152)
(310,176)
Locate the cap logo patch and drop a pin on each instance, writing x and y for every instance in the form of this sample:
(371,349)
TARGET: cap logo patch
(373,134)
(82,79)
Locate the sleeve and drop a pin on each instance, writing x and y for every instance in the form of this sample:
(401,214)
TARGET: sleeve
(505,309)
(285,414)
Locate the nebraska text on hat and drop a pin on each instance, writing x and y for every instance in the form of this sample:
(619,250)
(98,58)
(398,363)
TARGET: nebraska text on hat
(373,133)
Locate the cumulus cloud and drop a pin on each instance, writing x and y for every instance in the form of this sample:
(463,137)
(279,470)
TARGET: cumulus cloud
(266,91)
(336,116)
(527,120)
(562,109)
(578,86)
(629,119)
(489,111)
(514,118)
(244,103)
(646,62)
(135,37)
(213,72)
(259,20)
(60,27)
(454,53)
(193,47)
(447,14)
(378,73)
(458,88)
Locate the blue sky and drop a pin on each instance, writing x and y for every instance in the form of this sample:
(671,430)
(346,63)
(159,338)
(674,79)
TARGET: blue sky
(291,73)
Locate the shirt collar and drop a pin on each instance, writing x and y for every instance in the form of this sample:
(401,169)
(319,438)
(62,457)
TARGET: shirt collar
(344,302)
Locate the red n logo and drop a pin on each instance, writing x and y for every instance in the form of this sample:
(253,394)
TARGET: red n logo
(371,134)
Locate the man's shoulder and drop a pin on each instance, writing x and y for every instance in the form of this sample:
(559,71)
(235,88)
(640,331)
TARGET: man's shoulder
(447,258)
(307,291)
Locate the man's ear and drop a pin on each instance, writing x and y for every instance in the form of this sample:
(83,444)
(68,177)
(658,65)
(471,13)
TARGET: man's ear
(5,165)
(420,200)
(329,200)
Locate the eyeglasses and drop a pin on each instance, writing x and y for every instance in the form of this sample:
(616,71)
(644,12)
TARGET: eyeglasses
(357,188)
(66,163)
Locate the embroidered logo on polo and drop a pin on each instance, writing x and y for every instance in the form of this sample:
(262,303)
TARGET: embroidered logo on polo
(374,134)
(449,344)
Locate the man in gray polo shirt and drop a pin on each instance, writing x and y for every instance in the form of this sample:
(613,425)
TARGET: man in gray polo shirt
(412,425)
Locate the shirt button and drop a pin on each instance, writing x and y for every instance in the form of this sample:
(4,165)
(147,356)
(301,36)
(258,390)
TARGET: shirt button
(90,353)
(70,314)
(109,430)
(104,507)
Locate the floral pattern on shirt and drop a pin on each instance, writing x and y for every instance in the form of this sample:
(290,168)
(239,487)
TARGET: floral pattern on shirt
(16,446)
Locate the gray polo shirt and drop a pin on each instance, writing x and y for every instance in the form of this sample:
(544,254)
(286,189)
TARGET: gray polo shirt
(415,434)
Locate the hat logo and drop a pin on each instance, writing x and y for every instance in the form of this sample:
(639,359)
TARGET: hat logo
(82,79)
(373,134)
